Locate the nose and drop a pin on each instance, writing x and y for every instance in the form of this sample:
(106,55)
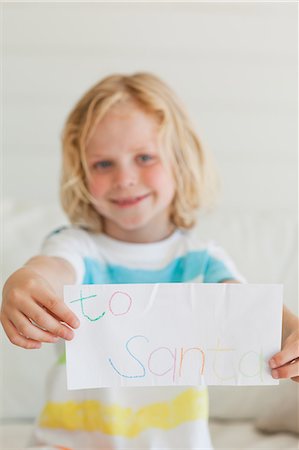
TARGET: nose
(125,176)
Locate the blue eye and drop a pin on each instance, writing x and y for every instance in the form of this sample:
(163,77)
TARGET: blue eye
(145,158)
(102,164)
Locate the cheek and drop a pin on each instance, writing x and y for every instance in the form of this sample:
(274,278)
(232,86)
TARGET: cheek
(161,179)
(97,186)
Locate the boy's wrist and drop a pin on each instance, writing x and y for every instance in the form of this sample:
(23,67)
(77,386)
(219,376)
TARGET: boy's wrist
(290,323)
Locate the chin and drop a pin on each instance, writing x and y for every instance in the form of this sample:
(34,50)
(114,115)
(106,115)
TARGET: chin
(133,225)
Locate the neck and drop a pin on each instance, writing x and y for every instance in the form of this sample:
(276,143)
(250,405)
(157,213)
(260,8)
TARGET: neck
(141,235)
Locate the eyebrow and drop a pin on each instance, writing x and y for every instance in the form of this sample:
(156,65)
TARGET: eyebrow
(106,154)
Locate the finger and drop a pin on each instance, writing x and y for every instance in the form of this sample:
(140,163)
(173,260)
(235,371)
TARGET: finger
(286,355)
(42,319)
(290,370)
(29,330)
(56,306)
(17,339)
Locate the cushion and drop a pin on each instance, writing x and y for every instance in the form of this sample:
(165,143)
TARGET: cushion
(281,413)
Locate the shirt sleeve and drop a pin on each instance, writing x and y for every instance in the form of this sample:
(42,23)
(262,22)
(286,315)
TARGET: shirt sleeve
(220,267)
(67,243)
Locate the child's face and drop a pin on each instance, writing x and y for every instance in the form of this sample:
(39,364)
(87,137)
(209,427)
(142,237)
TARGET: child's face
(132,188)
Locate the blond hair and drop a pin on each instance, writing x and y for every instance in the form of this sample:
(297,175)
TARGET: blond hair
(193,171)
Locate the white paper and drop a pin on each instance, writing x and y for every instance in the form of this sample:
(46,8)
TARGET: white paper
(173,334)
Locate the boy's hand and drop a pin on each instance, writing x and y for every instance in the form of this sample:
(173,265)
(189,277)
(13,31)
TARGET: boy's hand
(285,364)
(32,313)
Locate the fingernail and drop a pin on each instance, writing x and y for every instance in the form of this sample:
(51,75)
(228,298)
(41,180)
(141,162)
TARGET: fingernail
(274,374)
(272,364)
(76,323)
(69,336)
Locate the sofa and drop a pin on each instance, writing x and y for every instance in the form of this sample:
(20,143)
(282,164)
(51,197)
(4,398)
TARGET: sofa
(263,244)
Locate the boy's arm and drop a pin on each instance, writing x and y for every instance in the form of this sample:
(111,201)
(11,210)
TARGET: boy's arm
(32,309)
(56,271)
(290,323)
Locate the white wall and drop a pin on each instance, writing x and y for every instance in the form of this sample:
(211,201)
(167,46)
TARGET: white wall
(233,64)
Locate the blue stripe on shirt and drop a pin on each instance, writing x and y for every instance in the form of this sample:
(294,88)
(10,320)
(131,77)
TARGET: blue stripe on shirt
(182,269)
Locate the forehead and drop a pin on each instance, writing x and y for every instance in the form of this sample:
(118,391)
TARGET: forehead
(124,126)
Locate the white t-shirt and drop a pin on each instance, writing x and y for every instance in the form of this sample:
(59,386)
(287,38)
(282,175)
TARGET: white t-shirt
(130,417)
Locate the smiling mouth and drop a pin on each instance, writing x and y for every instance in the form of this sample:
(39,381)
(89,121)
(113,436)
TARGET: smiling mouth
(130,201)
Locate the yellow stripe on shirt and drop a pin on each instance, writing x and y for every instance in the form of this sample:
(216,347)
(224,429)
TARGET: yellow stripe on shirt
(92,415)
